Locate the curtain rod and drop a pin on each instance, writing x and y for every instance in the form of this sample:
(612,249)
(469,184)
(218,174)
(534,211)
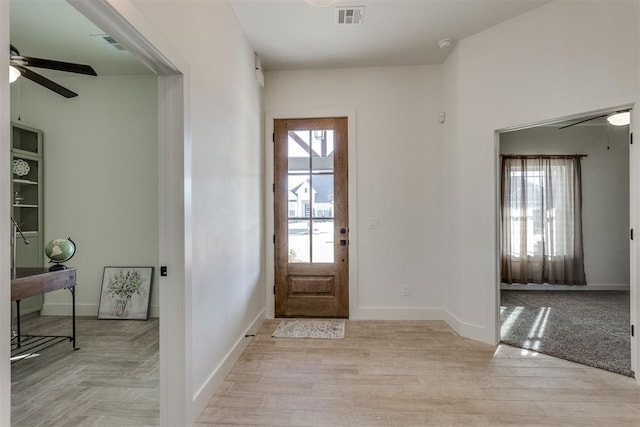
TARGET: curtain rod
(536,156)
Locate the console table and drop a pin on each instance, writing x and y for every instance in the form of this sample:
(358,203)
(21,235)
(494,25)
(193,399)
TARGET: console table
(35,281)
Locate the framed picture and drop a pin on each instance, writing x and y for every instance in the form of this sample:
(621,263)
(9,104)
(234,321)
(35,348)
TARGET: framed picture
(125,293)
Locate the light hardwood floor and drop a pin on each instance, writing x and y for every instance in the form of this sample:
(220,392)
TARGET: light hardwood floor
(111,381)
(398,373)
(383,373)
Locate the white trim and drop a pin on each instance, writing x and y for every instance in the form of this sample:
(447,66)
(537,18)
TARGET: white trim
(543,287)
(396,313)
(469,330)
(175,250)
(495,307)
(634,220)
(269,219)
(203,395)
(135,32)
(5,283)
(123,21)
(90,310)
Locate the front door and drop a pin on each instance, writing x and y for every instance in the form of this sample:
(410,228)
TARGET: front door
(311,218)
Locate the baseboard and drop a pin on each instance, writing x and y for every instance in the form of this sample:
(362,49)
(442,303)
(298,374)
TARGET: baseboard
(469,330)
(464,329)
(89,310)
(395,313)
(547,287)
(206,392)
(65,309)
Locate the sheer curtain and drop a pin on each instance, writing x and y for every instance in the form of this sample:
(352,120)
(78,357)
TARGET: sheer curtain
(542,220)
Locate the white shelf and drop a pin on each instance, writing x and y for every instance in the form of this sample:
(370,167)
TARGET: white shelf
(25,181)
(24,206)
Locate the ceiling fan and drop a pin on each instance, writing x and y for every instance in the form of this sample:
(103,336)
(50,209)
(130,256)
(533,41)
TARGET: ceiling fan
(20,64)
(616,118)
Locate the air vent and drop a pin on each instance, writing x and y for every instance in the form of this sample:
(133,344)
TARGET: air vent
(349,15)
(109,40)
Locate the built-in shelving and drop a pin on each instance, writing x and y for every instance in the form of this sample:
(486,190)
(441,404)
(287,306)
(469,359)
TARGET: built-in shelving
(27,202)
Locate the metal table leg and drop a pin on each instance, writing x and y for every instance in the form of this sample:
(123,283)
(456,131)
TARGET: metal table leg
(18,323)
(73,316)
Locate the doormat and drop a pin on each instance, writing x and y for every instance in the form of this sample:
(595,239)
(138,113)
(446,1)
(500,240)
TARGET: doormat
(310,329)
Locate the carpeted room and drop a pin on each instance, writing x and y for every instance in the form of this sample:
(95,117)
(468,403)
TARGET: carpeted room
(587,323)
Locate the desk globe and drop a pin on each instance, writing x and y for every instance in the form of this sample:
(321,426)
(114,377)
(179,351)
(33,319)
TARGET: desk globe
(59,251)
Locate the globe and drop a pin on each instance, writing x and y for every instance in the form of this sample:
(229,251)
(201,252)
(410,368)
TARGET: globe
(59,251)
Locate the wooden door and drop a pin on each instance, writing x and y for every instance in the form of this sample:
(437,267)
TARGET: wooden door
(311,218)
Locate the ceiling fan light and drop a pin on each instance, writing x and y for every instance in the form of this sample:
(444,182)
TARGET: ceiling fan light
(620,119)
(14,73)
(320,3)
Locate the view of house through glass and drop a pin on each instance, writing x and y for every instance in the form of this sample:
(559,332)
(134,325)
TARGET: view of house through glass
(310,196)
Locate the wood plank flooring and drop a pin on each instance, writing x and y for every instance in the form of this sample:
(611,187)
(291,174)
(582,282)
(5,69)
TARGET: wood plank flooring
(383,373)
(111,381)
(413,373)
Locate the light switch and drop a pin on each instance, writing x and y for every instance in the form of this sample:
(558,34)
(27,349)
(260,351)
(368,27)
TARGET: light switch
(372,223)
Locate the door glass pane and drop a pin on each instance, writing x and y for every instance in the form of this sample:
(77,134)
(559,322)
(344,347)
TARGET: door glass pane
(322,240)
(310,196)
(322,150)
(298,150)
(299,241)
(299,196)
(322,192)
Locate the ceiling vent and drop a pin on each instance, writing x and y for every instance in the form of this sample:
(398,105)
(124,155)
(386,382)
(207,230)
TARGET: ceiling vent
(109,40)
(350,15)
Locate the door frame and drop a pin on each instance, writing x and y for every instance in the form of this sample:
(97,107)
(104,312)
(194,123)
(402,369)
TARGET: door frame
(269,201)
(334,303)
(634,220)
(122,20)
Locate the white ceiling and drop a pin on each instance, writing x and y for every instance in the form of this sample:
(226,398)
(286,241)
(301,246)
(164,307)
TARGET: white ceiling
(287,34)
(290,34)
(53,29)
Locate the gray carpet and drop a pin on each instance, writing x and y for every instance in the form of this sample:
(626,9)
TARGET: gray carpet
(588,327)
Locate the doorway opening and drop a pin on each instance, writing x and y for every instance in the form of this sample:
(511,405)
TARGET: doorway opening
(587,324)
(173,141)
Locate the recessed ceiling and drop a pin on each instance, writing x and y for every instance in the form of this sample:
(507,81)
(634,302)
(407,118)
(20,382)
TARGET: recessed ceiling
(291,34)
(53,29)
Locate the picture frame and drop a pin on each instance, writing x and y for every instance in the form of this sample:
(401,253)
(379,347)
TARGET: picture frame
(125,293)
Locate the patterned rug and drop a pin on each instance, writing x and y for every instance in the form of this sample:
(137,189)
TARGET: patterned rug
(310,329)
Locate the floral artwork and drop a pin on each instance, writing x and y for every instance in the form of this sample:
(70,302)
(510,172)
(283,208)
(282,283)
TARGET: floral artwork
(125,293)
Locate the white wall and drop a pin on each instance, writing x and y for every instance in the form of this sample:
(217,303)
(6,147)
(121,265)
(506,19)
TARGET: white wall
(226,296)
(100,176)
(397,178)
(605,193)
(551,62)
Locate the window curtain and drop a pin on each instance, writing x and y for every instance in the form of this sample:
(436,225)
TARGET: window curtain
(542,220)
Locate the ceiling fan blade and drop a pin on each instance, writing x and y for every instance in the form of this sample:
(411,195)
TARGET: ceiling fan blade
(583,121)
(50,64)
(43,81)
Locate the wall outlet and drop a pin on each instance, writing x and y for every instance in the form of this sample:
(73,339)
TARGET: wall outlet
(406,291)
